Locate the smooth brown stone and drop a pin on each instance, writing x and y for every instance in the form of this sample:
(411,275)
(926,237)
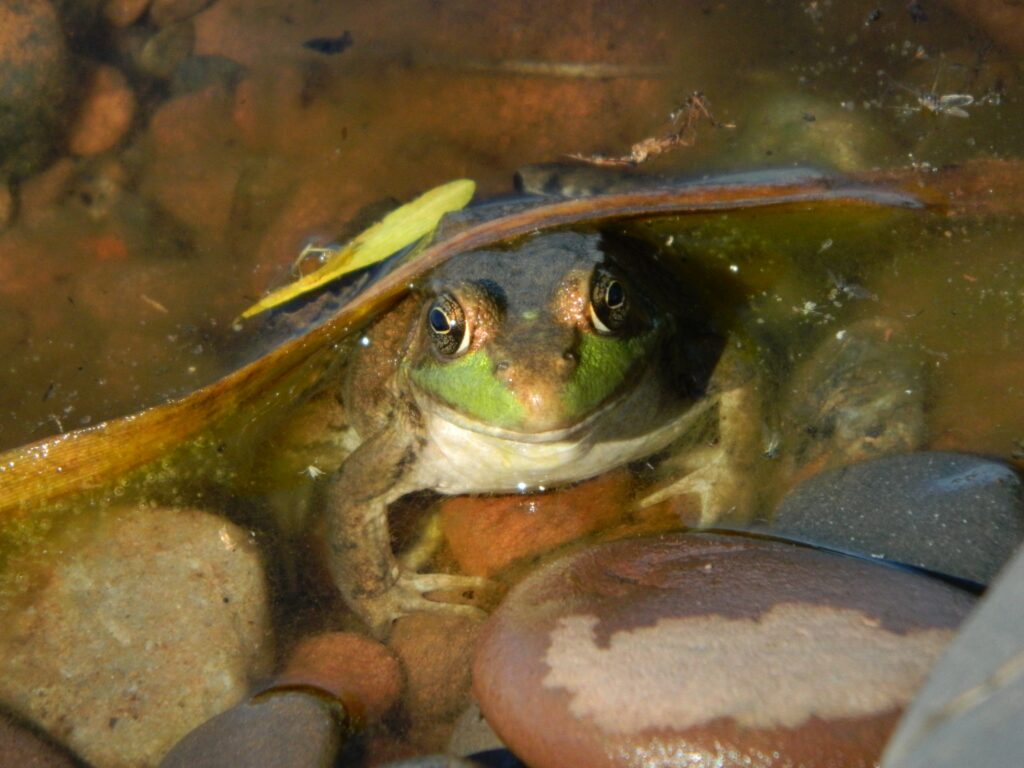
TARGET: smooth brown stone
(709,650)
(351,667)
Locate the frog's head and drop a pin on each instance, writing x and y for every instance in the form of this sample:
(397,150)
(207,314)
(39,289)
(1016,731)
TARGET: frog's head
(533,340)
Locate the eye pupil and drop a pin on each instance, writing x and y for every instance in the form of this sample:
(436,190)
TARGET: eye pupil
(439,321)
(446,324)
(615,295)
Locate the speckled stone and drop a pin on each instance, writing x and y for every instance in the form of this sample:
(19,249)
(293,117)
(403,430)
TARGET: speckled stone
(970,711)
(953,513)
(709,650)
(135,626)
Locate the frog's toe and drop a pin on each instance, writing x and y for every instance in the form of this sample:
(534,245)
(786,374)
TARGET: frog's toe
(408,595)
(722,491)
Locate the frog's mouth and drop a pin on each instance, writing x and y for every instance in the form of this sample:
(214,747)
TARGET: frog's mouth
(574,432)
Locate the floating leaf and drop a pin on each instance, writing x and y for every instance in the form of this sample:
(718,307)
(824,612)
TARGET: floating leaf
(400,228)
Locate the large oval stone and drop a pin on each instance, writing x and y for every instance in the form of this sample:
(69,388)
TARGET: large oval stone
(709,650)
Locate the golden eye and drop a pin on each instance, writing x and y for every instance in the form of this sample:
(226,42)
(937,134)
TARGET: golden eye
(446,324)
(609,302)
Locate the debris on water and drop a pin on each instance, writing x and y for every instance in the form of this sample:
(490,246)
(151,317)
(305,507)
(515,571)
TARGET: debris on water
(330,46)
(683,133)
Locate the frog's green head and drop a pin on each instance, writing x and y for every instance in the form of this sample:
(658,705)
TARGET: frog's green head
(534,339)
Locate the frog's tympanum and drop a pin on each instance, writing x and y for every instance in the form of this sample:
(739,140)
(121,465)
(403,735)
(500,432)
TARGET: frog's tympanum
(560,357)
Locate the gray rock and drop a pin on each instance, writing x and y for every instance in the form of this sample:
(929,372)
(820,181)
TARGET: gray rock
(279,730)
(132,627)
(971,710)
(953,513)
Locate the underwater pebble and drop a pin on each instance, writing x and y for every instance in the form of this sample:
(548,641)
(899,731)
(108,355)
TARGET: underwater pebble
(714,649)
(124,13)
(107,110)
(970,711)
(350,667)
(161,54)
(278,730)
(488,533)
(435,651)
(137,625)
(22,747)
(33,78)
(953,513)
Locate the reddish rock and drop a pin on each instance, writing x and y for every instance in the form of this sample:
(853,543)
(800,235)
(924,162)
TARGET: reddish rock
(435,651)
(124,13)
(33,83)
(726,650)
(360,672)
(487,534)
(106,113)
(1002,19)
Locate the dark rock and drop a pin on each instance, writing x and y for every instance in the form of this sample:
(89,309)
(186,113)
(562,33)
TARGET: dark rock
(278,730)
(953,513)
(21,746)
(710,649)
(33,84)
(970,711)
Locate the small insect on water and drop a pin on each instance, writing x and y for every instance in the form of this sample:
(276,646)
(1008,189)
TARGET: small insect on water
(935,103)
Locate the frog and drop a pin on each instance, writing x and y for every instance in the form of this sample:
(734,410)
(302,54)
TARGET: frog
(515,370)
(555,358)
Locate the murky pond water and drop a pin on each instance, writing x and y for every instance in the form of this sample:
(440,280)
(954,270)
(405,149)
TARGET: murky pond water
(183,154)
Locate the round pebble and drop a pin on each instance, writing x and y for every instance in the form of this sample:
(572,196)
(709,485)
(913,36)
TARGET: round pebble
(435,651)
(709,650)
(351,667)
(106,113)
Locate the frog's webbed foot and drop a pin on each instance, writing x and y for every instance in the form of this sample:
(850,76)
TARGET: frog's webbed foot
(408,594)
(721,476)
(721,490)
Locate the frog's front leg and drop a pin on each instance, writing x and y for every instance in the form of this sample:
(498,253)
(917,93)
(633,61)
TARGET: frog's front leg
(721,475)
(362,563)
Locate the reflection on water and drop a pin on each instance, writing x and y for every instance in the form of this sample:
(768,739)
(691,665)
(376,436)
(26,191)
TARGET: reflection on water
(180,159)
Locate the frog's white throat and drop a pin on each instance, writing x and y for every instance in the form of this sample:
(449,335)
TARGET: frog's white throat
(465,457)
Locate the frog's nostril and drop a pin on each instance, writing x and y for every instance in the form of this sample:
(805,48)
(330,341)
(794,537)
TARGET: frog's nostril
(567,363)
(502,366)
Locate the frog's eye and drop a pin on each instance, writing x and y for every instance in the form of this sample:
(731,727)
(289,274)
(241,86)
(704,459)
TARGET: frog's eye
(446,324)
(609,302)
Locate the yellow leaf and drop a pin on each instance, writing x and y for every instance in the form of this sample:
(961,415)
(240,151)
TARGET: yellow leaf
(403,226)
